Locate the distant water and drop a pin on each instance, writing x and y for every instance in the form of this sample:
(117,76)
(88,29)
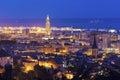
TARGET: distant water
(75,23)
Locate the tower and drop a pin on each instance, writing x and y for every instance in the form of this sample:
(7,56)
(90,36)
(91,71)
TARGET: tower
(94,47)
(48,29)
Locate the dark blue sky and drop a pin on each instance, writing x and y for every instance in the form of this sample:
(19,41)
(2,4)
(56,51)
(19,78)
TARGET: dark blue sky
(60,8)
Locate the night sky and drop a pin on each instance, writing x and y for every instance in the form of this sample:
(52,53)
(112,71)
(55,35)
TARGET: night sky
(59,8)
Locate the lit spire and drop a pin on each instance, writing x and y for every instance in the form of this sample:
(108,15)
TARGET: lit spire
(94,46)
(48,17)
(48,29)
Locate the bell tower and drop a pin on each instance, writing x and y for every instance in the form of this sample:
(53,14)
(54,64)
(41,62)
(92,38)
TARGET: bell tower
(48,29)
(94,47)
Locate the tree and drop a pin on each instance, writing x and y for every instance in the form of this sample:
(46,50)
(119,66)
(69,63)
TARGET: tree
(41,73)
(31,75)
(18,73)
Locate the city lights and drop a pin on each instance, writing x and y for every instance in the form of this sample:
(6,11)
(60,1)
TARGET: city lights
(63,53)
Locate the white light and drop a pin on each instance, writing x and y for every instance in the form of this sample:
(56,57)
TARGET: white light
(112,30)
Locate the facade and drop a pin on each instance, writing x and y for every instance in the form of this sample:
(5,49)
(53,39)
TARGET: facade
(106,40)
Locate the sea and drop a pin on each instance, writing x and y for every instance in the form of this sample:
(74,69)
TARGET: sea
(95,23)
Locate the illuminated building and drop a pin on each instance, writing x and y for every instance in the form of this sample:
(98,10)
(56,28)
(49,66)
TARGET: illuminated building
(113,37)
(106,39)
(102,40)
(48,29)
(47,37)
(47,50)
(83,36)
(112,50)
(37,30)
(29,66)
(53,50)
(34,29)
(118,36)
(48,64)
(88,52)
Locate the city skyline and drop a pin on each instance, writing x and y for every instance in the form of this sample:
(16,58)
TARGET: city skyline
(59,40)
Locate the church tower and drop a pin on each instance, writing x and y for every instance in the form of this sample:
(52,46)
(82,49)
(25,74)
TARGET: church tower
(48,29)
(94,47)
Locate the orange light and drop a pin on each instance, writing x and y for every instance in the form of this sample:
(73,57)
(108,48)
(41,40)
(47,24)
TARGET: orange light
(69,76)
